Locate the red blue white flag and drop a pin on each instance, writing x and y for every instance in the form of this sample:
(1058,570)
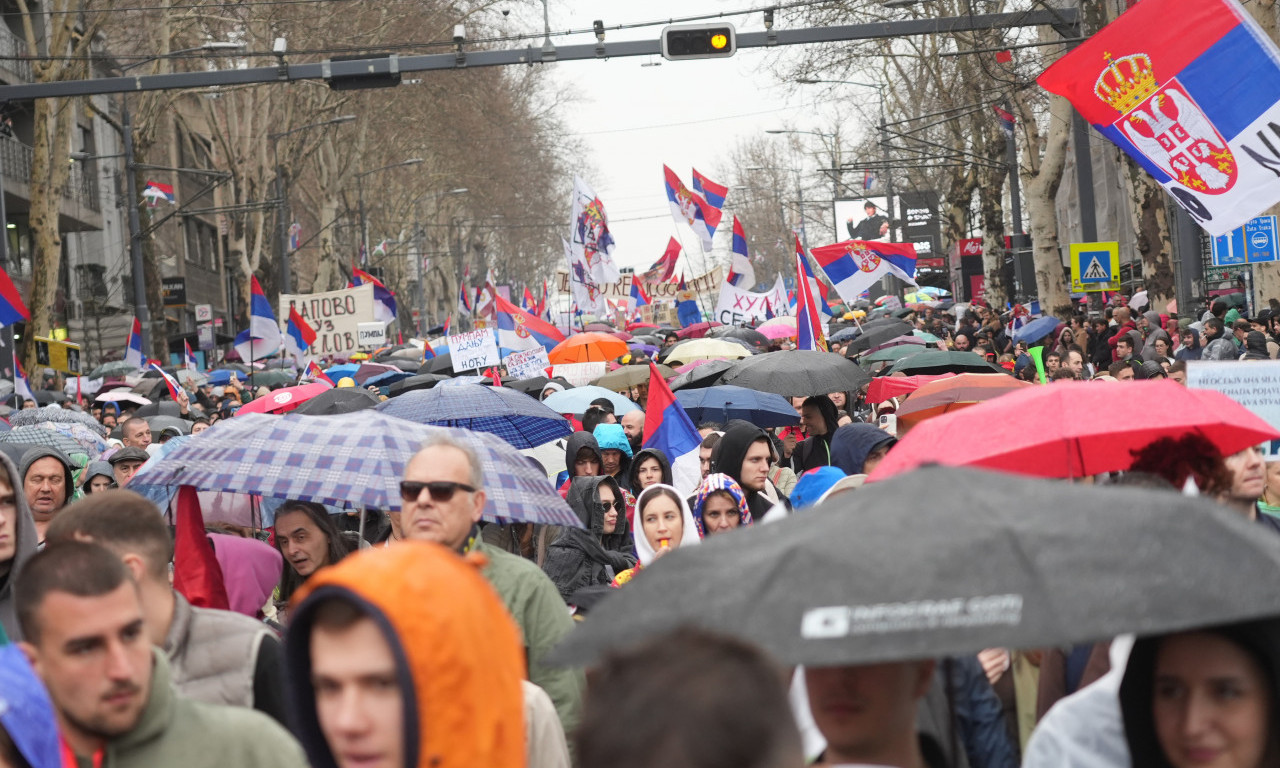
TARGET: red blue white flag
(808,321)
(169,381)
(315,374)
(639,295)
(299,336)
(688,207)
(154,192)
(189,358)
(518,330)
(1190,89)
(712,192)
(669,429)
(664,269)
(855,265)
(133,349)
(11,307)
(384,301)
(20,385)
(740,270)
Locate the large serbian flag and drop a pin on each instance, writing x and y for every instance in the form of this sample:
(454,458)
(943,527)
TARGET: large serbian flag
(1190,89)
(854,265)
(668,428)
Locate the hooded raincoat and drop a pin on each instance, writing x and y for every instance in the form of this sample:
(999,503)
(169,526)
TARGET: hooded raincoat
(689,535)
(40,452)
(853,443)
(732,449)
(713,483)
(815,451)
(95,469)
(458,655)
(639,458)
(614,437)
(585,558)
(25,546)
(1255,346)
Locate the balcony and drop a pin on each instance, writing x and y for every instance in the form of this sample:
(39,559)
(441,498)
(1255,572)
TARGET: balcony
(13,55)
(82,203)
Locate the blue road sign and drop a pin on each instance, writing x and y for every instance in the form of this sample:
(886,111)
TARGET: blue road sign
(1260,239)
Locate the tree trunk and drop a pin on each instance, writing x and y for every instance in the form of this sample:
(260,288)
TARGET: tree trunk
(1151,223)
(48,177)
(1042,215)
(996,290)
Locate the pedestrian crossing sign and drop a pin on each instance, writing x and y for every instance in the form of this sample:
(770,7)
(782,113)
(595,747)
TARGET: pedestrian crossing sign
(1095,267)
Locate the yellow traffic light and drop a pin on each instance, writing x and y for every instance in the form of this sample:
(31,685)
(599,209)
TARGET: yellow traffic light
(719,41)
(698,41)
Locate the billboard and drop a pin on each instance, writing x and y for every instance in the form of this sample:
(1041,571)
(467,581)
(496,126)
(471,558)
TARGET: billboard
(864,218)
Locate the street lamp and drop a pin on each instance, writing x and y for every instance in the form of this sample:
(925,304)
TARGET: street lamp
(282,195)
(142,311)
(364,229)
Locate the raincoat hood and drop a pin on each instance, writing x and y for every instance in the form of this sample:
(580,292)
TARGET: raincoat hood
(712,483)
(639,458)
(1149,349)
(733,446)
(830,415)
(689,535)
(250,571)
(1153,319)
(26,713)
(459,656)
(1255,346)
(853,443)
(1220,349)
(26,539)
(584,498)
(576,442)
(95,469)
(40,452)
(613,437)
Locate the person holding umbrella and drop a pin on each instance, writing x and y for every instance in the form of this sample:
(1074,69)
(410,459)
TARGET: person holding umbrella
(592,556)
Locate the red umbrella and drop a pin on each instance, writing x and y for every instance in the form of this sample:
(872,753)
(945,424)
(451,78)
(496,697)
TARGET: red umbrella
(284,400)
(697,330)
(882,388)
(634,326)
(1074,429)
(620,335)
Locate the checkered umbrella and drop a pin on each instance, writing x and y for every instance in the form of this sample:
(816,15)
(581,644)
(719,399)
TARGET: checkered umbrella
(37,435)
(350,459)
(58,415)
(511,415)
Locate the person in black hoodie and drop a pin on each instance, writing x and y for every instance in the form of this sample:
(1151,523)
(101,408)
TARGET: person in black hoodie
(857,448)
(821,419)
(638,463)
(1255,346)
(1230,676)
(581,456)
(745,454)
(581,558)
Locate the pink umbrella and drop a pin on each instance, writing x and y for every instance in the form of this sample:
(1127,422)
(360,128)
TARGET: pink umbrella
(690,366)
(284,400)
(778,331)
(898,341)
(621,335)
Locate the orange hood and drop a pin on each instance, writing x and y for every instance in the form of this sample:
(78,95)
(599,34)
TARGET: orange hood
(449,631)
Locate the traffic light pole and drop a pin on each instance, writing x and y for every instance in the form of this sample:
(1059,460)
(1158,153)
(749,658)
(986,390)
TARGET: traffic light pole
(349,73)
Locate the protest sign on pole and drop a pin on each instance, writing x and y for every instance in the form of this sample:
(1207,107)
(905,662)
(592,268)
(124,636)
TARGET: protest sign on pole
(581,374)
(737,306)
(1253,384)
(473,350)
(334,315)
(527,363)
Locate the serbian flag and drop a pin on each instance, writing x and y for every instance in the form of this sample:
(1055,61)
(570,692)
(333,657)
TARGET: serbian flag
(712,192)
(1190,89)
(196,573)
(687,311)
(169,381)
(667,428)
(11,307)
(154,192)
(638,293)
(133,350)
(315,374)
(518,330)
(189,358)
(1006,118)
(20,385)
(298,336)
(384,301)
(664,269)
(855,265)
(250,348)
(688,206)
(818,287)
(740,270)
(528,303)
(808,321)
(262,321)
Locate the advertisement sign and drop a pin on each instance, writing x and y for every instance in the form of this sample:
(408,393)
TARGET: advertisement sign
(335,316)
(1254,384)
(174,291)
(864,218)
(527,363)
(918,213)
(473,350)
(738,306)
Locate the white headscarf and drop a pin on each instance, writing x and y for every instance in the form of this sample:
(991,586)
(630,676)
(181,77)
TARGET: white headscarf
(688,537)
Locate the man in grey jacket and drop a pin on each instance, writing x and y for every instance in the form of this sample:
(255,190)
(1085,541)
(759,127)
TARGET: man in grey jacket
(216,656)
(47,483)
(17,542)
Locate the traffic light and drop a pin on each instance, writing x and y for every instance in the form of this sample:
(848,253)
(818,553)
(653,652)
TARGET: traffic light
(698,41)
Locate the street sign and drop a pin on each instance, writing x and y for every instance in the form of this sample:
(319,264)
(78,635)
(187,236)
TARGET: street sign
(1095,266)
(1256,242)
(59,355)
(204,313)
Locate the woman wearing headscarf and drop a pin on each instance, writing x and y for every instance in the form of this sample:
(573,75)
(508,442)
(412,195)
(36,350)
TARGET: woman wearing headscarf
(649,467)
(594,555)
(663,523)
(719,505)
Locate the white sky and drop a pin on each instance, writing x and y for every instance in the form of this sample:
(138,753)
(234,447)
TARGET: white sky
(686,114)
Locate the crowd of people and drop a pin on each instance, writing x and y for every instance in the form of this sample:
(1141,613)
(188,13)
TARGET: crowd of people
(424,635)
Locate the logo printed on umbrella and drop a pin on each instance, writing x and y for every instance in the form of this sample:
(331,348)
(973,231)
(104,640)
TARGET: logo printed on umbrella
(836,621)
(281,398)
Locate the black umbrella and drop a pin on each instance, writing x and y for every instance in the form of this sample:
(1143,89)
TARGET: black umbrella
(754,339)
(705,375)
(438,364)
(889,572)
(342,400)
(421,381)
(533,386)
(160,408)
(796,372)
(158,424)
(940,361)
(874,336)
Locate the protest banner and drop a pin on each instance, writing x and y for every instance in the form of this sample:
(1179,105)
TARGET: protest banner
(1253,384)
(473,350)
(737,306)
(527,363)
(581,374)
(334,315)
(702,284)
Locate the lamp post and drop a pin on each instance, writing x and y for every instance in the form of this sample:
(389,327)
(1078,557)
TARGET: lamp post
(142,311)
(364,229)
(282,196)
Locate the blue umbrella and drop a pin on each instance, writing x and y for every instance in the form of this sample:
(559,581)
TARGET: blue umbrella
(386,379)
(510,414)
(1036,329)
(578,399)
(222,376)
(350,459)
(764,409)
(341,371)
(845,334)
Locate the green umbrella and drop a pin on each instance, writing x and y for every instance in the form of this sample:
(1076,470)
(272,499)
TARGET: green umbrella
(893,354)
(929,337)
(115,368)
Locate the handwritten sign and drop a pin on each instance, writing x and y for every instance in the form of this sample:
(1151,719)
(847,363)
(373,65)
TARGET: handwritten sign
(372,334)
(473,350)
(334,315)
(737,306)
(1253,384)
(581,374)
(702,284)
(527,363)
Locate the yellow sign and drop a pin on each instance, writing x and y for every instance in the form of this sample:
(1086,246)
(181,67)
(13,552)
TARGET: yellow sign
(59,355)
(1095,267)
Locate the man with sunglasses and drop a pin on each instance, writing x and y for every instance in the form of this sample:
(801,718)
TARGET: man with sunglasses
(443,497)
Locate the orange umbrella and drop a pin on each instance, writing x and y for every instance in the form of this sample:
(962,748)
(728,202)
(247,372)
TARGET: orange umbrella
(961,391)
(586,348)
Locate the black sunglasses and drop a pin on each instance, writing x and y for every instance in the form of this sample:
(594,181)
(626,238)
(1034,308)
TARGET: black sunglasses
(441,490)
(617,504)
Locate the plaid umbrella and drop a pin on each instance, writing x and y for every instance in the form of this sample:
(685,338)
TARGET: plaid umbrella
(511,415)
(351,459)
(60,415)
(38,435)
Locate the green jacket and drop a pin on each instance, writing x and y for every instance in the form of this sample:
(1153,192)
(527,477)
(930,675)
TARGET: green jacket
(535,603)
(176,731)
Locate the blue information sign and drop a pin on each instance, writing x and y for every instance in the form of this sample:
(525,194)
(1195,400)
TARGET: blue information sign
(1256,242)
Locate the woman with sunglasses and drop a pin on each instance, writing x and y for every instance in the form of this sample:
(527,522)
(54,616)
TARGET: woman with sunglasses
(663,522)
(595,555)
